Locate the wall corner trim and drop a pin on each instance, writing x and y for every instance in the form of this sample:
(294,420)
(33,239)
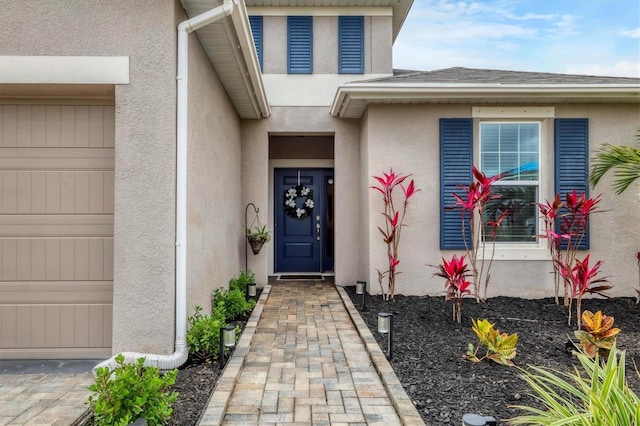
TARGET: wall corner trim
(64,70)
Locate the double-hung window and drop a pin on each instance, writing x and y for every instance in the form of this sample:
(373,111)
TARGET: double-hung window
(512,150)
(514,142)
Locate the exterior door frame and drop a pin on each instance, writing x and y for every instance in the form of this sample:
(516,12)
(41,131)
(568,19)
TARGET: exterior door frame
(327,239)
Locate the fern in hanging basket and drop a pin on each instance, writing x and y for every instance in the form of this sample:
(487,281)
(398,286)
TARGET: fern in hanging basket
(257,236)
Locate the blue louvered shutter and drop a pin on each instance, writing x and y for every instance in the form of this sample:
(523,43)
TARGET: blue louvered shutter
(256,29)
(300,44)
(572,160)
(456,160)
(351,44)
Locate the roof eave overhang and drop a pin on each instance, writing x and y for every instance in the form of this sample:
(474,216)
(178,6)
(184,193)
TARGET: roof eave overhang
(246,68)
(351,101)
(242,27)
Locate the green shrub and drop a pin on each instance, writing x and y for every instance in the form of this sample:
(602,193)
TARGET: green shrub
(599,395)
(501,347)
(241,282)
(231,304)
(203,335)
(132,391)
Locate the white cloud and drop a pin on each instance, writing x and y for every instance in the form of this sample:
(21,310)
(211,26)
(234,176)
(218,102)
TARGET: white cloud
(526,35)
(566,25)
(619,69)
(634,33)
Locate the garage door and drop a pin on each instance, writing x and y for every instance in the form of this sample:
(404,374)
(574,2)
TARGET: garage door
(56,230)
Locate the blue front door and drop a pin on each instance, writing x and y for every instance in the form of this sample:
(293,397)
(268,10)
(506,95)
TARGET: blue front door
(303,241)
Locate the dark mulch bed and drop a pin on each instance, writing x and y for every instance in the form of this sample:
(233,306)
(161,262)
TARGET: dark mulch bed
(195,383)
(429,348)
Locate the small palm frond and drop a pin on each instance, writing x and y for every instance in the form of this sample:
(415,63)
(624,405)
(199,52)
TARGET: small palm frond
(624,159)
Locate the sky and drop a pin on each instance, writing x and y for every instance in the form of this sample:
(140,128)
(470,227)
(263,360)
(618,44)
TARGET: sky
(593,37)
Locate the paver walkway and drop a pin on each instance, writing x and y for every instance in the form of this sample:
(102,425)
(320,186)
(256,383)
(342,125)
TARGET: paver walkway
(43,398)
(305,362)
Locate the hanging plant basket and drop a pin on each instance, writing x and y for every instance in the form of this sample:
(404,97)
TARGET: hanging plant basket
(256,244)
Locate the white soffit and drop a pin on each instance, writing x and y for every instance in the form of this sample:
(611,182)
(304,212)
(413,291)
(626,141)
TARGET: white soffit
(229,46)
(64,69)
(316,11)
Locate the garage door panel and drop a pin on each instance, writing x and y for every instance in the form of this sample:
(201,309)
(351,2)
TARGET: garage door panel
(42,292)
(56,230)
(55,326)
(38,126)
(55,226)
(56,259)
(57,125)
(80,192)
(57,159)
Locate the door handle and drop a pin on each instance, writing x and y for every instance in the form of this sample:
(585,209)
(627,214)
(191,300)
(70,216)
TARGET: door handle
(318,231)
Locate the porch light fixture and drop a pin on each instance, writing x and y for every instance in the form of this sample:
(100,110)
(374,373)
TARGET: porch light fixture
(361,288)
(251,291)
(385,326)
(227,340)
(478,420)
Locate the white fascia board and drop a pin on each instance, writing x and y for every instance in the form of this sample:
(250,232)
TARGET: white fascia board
(365,92)
(64,69)
(320,11)
(245,38)
(475,87)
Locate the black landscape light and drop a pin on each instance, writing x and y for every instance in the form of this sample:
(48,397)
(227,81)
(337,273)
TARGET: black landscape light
(361,288)
(478,420)
(385,326)
(251,291)
(227,340)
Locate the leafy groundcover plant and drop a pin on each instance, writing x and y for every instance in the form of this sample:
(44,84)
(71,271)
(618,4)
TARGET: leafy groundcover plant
(598,335)
(501,347)
(132,391)
(599,395)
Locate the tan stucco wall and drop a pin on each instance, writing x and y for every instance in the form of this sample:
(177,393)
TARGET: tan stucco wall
(378,45)
(145,143)
(256,172)
(215,222)
(144,241)
(325,45)
(406,138)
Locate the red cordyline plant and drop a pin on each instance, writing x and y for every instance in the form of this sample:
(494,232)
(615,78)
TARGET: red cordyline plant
(471,205)
(572,218)
(581,279)
(638,290)
(550,212)
(455,273)
(394,218)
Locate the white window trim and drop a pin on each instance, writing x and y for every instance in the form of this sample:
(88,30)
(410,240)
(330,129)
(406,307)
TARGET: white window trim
(520,251)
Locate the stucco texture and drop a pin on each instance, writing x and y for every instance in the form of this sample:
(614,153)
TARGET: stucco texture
(406,138)
(145,136)
(215,227)
(256,170)
(378,45)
